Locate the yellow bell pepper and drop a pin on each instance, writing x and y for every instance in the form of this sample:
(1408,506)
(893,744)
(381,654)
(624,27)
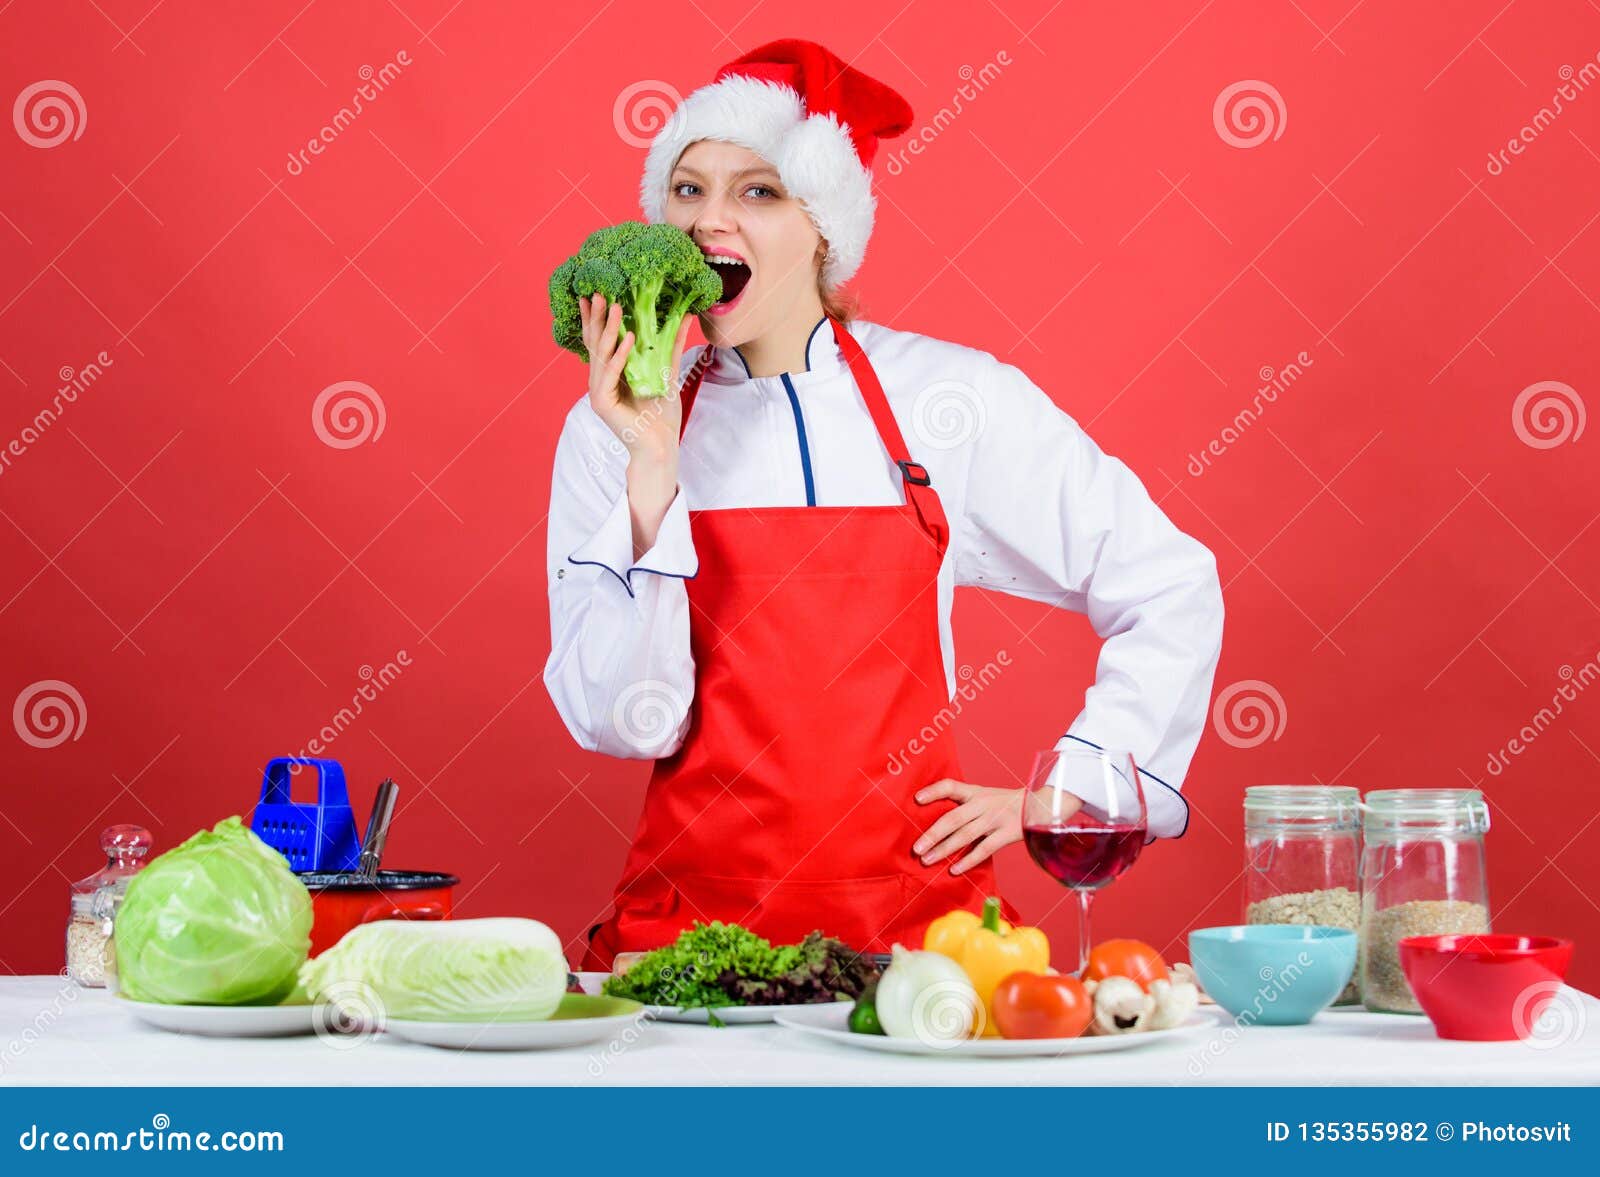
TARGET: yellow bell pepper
(989,949)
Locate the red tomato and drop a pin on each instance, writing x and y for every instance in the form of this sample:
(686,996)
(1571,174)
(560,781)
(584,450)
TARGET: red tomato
(1133,959)
(1036,1005)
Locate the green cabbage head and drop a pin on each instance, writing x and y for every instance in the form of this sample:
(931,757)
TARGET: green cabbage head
(484,970)
(219,920)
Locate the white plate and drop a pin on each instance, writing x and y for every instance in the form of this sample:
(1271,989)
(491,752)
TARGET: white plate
(226,1021)
(573,1025)
(829,1024)
(732,1015)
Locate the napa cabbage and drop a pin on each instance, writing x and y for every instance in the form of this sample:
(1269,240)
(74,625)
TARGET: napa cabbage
(450,971)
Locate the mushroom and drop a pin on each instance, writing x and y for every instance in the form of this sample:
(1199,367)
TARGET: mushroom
(1121,1006)
(1185,972)
(1174,1000)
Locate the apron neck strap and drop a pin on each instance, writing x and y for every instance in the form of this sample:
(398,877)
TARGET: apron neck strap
(918,486)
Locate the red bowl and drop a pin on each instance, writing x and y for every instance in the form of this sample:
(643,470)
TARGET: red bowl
(1489,988)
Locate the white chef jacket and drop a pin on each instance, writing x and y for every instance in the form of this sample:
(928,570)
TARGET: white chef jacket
(1035,509)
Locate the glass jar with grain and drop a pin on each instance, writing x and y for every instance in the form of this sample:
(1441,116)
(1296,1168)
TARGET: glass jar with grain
(95,899)
(1423,873)
(1303,859)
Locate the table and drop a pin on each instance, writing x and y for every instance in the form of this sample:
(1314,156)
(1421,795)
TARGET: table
(53,1033)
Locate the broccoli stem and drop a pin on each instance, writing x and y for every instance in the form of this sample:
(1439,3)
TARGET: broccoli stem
(647,363)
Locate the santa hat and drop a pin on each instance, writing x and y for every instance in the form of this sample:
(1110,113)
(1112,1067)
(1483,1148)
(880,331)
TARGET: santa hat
(808,113)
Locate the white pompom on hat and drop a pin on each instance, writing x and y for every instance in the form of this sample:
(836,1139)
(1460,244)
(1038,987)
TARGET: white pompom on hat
(815,118)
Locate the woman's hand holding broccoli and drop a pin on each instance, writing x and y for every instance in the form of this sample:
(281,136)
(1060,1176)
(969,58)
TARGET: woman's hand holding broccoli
(648,428)
(649,279)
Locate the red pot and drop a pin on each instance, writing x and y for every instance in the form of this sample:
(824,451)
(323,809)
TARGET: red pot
(341,901)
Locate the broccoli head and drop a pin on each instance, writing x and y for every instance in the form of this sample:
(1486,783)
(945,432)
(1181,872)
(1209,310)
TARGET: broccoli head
(656,273)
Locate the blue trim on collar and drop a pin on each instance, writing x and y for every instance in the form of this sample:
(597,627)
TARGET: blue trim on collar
(805,450)
(809,340)
(811,337)
(1145,773)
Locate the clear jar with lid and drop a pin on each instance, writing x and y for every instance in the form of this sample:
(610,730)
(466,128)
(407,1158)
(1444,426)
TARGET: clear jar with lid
(95,900)
(1423,873)
(1303,858)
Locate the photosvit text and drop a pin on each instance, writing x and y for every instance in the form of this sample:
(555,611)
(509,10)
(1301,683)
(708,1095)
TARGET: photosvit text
(1416,1132)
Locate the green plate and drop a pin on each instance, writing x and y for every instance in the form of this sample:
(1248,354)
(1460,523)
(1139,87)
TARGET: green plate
(589,1005)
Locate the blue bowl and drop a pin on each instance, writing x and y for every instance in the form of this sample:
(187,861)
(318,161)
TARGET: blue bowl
(1273,974)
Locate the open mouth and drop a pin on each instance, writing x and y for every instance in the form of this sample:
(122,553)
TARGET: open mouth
(734,273)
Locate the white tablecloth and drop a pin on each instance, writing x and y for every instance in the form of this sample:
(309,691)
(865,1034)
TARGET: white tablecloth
(53,1033)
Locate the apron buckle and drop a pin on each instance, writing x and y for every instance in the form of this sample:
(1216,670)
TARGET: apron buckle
(920,478)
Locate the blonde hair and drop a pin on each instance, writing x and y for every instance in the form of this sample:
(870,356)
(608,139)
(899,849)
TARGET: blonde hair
(839,303)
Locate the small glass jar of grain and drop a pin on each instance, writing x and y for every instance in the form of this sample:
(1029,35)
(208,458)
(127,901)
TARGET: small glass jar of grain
(95,900)
(1423,873)
(1303,859)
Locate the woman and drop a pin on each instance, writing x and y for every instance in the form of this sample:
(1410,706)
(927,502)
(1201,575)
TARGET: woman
(752,581)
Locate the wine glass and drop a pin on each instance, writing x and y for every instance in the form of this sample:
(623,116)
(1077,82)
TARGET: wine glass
(1084,822)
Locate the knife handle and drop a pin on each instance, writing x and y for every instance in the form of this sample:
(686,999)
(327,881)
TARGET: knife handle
(378,827)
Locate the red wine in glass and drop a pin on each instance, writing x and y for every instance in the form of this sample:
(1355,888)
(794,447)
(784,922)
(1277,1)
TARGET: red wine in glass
(1084,822)
(1084,857)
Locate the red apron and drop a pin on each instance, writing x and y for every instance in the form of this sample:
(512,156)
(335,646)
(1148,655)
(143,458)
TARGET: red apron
(820,708)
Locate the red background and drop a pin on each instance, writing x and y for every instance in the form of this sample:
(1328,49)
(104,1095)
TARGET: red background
(180,546)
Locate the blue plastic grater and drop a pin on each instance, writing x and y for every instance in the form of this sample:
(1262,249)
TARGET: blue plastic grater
(320,837)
